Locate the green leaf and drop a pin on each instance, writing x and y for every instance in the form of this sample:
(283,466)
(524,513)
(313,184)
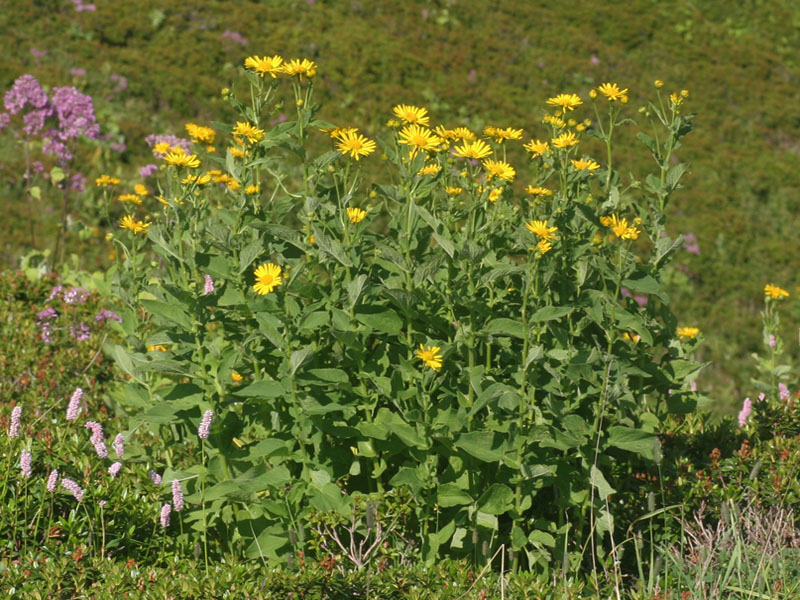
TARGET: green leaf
(550,313)
(327,375)
(537,537)
(380,318)
(646,285)
(674,175)
(504,326)
(445,244)
(599,482)
(249,253)
(169,313)
(631,439)
(265,388)
(299,357)
(354,289)
(481,445)
(331,247)
(497,500)
(449,494)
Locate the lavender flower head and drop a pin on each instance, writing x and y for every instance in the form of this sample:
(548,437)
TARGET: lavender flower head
(762,396)
(13,428)
(74,406)
(5,120)
(177,495)
(744,414)
(104,315)
(52,481)
(154,139)
(26,92)
(205,425)
(772,341)
(76,295)
(119,445)
(97,431)
(56,291)
(78,182)
(165,510)
(148,170)
(47,314)
(80,332)
(113,470)
(155,478)
(784,391)
(208,286)
(72,487)
(25,464)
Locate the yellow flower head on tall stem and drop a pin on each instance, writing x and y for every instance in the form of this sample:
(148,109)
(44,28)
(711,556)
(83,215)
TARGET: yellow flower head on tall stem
(252,133)
(140,189)
(774,292)
(612,92)
(177,159)
(475,150)
(356,215)
(301,68)
(620,227)
(268,277)
(419,138)
(430,169)
(688,332)
(411,114)
(541,230)
(355,144)
(500,169)
(501,135)
(537,148)
(129,222)
(565,102)
(133,198)
(554,121)
(265,66)
(431,356)
(565,140)
(200,134)
(544,246)
(107,181)
(588,165)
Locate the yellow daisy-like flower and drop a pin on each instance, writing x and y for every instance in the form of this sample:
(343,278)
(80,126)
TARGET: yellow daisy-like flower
(431,356)
(166,202)
(133,198)
(411,114)
(182,160)
(356,215)
(464,134)
(495,194)
(252,133)
(588,165)
(157,348)
(200,134)
(554,121)
(538,191)
(501,135)
(238,152)
(631,337)
(498,168)
(541,230)
(453,191)
(432,169)
(419,138)
(265,66)
(565,102)
(338,132)
(620,227)
(355,144)
(251,190)
(544,246)
(107,181)
(476,150)
(536,148)
(140,189)
(301,68)
(236,377)
(565,140)
(161,148)
(268,277)
(199,180)
(658,83)
(774,292)
(612,92)
(688,332)
(129,222)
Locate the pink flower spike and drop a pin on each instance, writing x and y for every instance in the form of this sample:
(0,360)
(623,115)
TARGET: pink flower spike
(52,481)
(772,341)
(177,495)
(744,414)
(784,391)
(13,428)
(165,510)
(205,425)
(25,463)
(74,406)
(762,396)
(72,487)
(155,478)
(208,286)
(113,470)
(119,445)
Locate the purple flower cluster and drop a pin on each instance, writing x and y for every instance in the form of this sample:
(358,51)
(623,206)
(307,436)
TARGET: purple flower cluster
(114,469)
(165,511)
(43,319)
(177,495)
(208,285)
(75,296)
(205,425)
(235,37)
(78,182)
(119,445)
(690,244)
(27,93)
(52,481)
(72,487)
(744,414)
(81,7)
(783,391)
(80,332)
(25,464)
(74,406)
(121,81)
(148,170)
(155,478)
(97,438)
(154,139)
(105,315)
(13,428)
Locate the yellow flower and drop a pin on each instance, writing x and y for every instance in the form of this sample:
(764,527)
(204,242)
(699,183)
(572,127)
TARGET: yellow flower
(588,165)
(631,337)
(236,377)
(774,292)
(536,148)
(411,114)
(538,191)
(355,144)
(237,152)
(688,332)
(565,102)
(684,93)
(252,133)
(268,277)
(554,121)
(338,132)
(477,150)
(107,181)
(161,148)
(658,83)
(129,222)
(430,169)
(182,160)
(130,198)
(157,348)
(166,202)
(419,138)
(356,215)
(301,68)
(501,135)
(495,194)
(541,230)
(267,65)
(612,92)
(565,140)
(453,191)
(251,190)
(496,168)
(544,246)
(200,180)
(592,94)
(140,189)
(464,134)
(200,134)
(430,356)
(620,227)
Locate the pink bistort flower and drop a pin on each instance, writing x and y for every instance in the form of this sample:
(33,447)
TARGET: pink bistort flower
(744,414)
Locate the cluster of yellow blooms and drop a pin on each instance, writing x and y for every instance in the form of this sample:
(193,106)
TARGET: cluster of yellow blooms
(620,227)
(774,292)
(275,65)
